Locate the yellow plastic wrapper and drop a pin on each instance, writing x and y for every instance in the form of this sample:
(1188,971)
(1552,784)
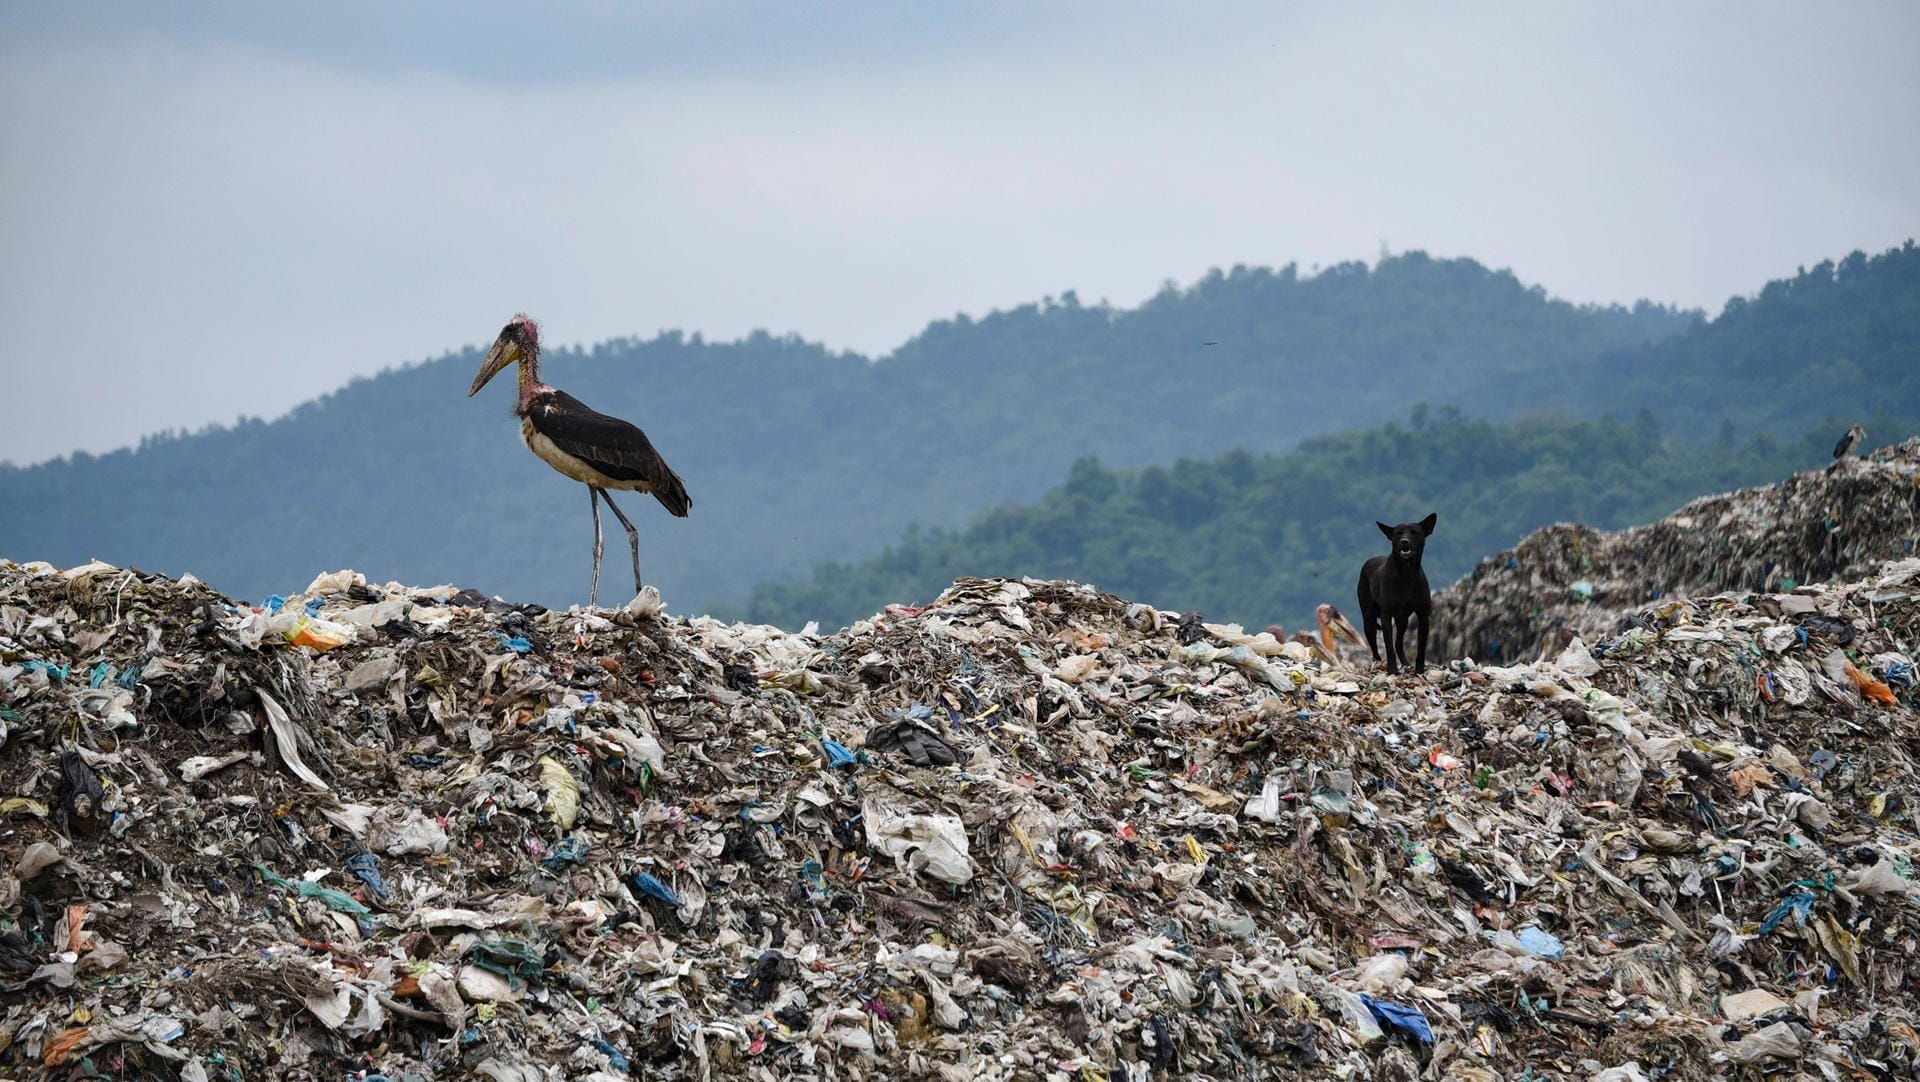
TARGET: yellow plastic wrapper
(26,805)
(1198,854)
(563,793)
(322,635)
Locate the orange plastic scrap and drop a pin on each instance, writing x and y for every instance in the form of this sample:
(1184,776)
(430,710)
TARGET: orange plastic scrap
(1083,640)
(77,939)
(62,1046)
(1871,688)
(1746,778)
(321,635)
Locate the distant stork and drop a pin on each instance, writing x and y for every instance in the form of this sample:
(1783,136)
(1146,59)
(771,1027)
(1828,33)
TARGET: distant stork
(1845,446)
(594,449)
(1331,624)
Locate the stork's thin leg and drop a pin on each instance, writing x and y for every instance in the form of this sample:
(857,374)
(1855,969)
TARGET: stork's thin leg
(633,537)
(593,592)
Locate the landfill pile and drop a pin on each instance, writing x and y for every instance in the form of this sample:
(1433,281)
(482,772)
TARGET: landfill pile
(1821,526)
(1029,831)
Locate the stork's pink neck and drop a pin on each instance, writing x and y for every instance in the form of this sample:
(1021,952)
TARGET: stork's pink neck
(530,384)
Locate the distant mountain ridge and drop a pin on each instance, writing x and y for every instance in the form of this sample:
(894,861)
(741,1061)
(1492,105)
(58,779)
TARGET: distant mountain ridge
(1256,538)
(794,453)
(1836,339)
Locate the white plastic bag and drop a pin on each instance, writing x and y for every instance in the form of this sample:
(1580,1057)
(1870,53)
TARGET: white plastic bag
(935,844)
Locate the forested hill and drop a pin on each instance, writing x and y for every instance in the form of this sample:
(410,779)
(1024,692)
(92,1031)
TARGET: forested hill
(1834,340)
(1758,392)
(794,454)
(1263,538)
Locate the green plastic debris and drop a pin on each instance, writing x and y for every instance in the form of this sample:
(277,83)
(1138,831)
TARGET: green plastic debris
(335,900)
(510,958)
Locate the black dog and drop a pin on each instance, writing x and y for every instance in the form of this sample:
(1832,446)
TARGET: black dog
(1393,590)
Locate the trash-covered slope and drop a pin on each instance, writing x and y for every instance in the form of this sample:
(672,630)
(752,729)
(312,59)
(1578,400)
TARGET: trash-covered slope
(1030,831)
(1819,526)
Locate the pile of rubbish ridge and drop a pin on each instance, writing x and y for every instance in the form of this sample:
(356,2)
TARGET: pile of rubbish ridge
(1821,526)
(1029,831)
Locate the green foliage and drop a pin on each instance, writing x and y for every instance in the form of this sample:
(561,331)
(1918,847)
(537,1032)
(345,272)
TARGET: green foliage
(1260,538)
(794,454)
(1833,341)
(1830,346)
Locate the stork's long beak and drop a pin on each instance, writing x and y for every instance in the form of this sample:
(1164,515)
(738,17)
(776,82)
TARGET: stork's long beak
(503,353)
(1322,648)
(1344,629)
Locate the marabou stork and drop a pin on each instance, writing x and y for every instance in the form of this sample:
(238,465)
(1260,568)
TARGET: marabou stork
(594,449)
(1332,624)
(1854,435)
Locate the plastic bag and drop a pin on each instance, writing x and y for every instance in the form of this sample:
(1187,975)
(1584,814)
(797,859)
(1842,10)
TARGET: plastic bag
(1779,1039)
(935,844)
(562,793)
(1540,943)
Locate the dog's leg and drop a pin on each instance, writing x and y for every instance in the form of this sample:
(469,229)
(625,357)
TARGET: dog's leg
(1392,630)
(1369,615)
(1420,656)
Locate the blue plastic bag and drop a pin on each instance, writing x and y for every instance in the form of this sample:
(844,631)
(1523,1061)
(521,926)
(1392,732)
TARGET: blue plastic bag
(1399,1016)
(654,888)
(838,755)
(1540,943)
(367,866)
(1798,905)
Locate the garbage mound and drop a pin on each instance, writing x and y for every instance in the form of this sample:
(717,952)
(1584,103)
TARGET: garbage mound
(1821,526)
(1029,831)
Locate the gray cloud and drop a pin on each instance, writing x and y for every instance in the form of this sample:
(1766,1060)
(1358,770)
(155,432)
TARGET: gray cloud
(213,215)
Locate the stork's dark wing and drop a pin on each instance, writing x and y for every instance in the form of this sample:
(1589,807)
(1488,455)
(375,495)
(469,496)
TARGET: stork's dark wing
(612,446)
(1840,448)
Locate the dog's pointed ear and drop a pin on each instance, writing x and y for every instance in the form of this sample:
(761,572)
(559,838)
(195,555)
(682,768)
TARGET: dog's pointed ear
(1426,524)
(1384,528)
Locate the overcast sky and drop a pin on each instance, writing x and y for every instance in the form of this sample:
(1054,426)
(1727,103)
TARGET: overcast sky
(211,209)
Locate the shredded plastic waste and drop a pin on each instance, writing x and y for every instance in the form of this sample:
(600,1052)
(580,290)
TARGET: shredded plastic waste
(1822,526)
(942,844)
